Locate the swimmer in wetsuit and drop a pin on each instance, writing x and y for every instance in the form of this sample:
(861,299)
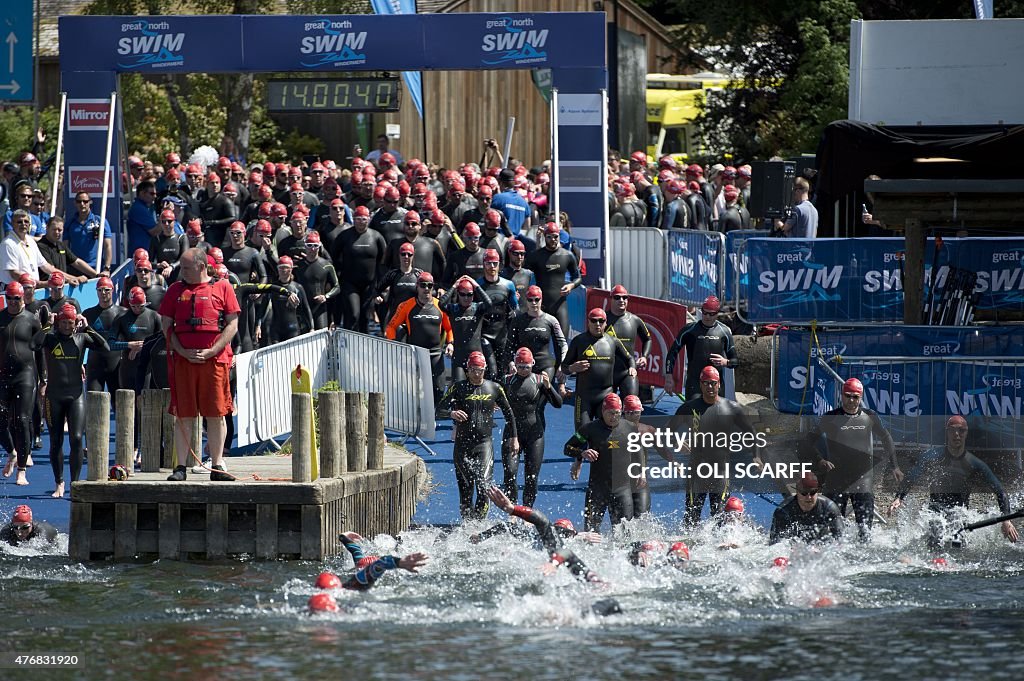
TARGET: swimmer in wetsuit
(64,351)
(18,379)
(537,330)
(504,303)
(466,314)
(528,394)
(808,515)
(603,444)
(592,357)
(632,410)
(549,537)
(631,331)
(23,528)
(651,552)
(550,266)
(472,403)
(427,326)
(289,320)
(951,472)
(706,342)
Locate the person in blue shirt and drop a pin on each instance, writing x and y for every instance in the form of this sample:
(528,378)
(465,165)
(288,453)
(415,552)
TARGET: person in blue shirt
(24,194)
(509,202)
(82,232)
(142,223)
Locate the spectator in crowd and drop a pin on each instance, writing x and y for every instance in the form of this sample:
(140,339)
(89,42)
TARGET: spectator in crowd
(803,222)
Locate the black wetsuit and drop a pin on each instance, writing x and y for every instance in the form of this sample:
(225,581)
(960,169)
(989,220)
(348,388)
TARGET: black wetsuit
(289,322)
(537,334)
(610,487)
(522,278)
(360,259)
(399,286)
(821,522)
(549,268)
(248,265)
(528,397)
(466,324)
(18,380)
(629,329)
(848,441)
(65,401)
(504,303)
(389,225)
(951,479)
(427,255)
(101,371)
(708,425)
(474,448)
(40,528)
(594,384)
(463,261)
(318,278)
(169,249)
(552,541)
(700,343)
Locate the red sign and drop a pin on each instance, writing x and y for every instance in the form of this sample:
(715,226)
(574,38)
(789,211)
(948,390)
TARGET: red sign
(89,179)
(88,114)
(664,320)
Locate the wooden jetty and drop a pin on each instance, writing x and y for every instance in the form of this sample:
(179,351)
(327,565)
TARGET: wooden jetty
(271,511)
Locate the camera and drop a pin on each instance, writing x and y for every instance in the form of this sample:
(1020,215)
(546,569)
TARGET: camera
(93,228)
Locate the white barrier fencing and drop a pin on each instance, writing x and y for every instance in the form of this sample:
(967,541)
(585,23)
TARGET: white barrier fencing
(358,362)
(264,384)
(641,261)
(402,372)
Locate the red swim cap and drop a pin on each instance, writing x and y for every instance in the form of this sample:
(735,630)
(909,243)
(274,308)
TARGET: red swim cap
(565,524)
(620,290)
(322,602)
(709,373)
(22,514)
(852,385)
(734,504)
(679,551)
(327,580)
(632,403)
(476,360)
(611,403)
(524,356)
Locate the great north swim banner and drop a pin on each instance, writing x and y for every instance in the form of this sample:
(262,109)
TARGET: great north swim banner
(861,280)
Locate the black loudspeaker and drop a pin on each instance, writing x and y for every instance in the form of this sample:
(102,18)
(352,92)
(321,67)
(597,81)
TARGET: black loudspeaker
(771,188)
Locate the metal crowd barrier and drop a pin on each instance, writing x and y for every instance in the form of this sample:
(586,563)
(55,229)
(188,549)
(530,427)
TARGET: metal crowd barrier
(358,362)
(264,384)
(365,363)
(641,261)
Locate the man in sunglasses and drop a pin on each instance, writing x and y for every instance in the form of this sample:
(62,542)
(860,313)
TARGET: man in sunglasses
(550,265)
(390,219)
(808,515)
(83,233)
(425,325)
(514,271)
(319,279)
(24,195)
(591,357)
(532,328)
(707,342)
(628,329)
(951,473)
(23,528)
(466,303)
(842,445)
(19,252)
(710,419)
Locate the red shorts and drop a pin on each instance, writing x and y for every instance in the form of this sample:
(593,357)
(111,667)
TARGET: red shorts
(200,389)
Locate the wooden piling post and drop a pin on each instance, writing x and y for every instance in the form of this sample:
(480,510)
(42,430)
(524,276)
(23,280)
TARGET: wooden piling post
(355,431)
(342,459)
(329,406)
(151,430)
(97,433)
(302,465)
(375,438)
(124,440)
(167,458)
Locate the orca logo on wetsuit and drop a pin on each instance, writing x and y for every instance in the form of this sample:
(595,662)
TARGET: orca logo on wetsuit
(424,316)
(853,428)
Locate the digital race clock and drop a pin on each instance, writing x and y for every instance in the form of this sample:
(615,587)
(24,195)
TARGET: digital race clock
(311,95)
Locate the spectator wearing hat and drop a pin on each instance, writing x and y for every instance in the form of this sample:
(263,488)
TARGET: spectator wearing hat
(808,515)
(58,253)
(508,201)
(83,234)
(707,341)
(382,148)
(23,527)
(142,220)
(19,252)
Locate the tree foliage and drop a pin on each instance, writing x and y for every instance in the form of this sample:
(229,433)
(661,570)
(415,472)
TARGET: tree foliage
(790,61)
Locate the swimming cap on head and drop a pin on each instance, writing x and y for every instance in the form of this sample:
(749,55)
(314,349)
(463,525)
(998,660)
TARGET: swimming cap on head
(322,602)
(327,580)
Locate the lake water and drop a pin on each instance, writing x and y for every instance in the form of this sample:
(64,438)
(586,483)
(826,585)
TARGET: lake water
(486,612)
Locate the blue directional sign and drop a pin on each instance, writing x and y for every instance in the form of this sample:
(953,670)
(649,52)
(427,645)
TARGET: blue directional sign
(16,70)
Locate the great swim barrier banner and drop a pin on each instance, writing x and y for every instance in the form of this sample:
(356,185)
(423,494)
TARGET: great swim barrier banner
(861,280)
(695,265)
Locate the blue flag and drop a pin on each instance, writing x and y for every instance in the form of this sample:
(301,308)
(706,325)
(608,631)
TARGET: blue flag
(413,79)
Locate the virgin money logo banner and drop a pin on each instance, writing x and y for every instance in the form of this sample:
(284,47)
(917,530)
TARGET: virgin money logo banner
(88,114)
(90,179)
